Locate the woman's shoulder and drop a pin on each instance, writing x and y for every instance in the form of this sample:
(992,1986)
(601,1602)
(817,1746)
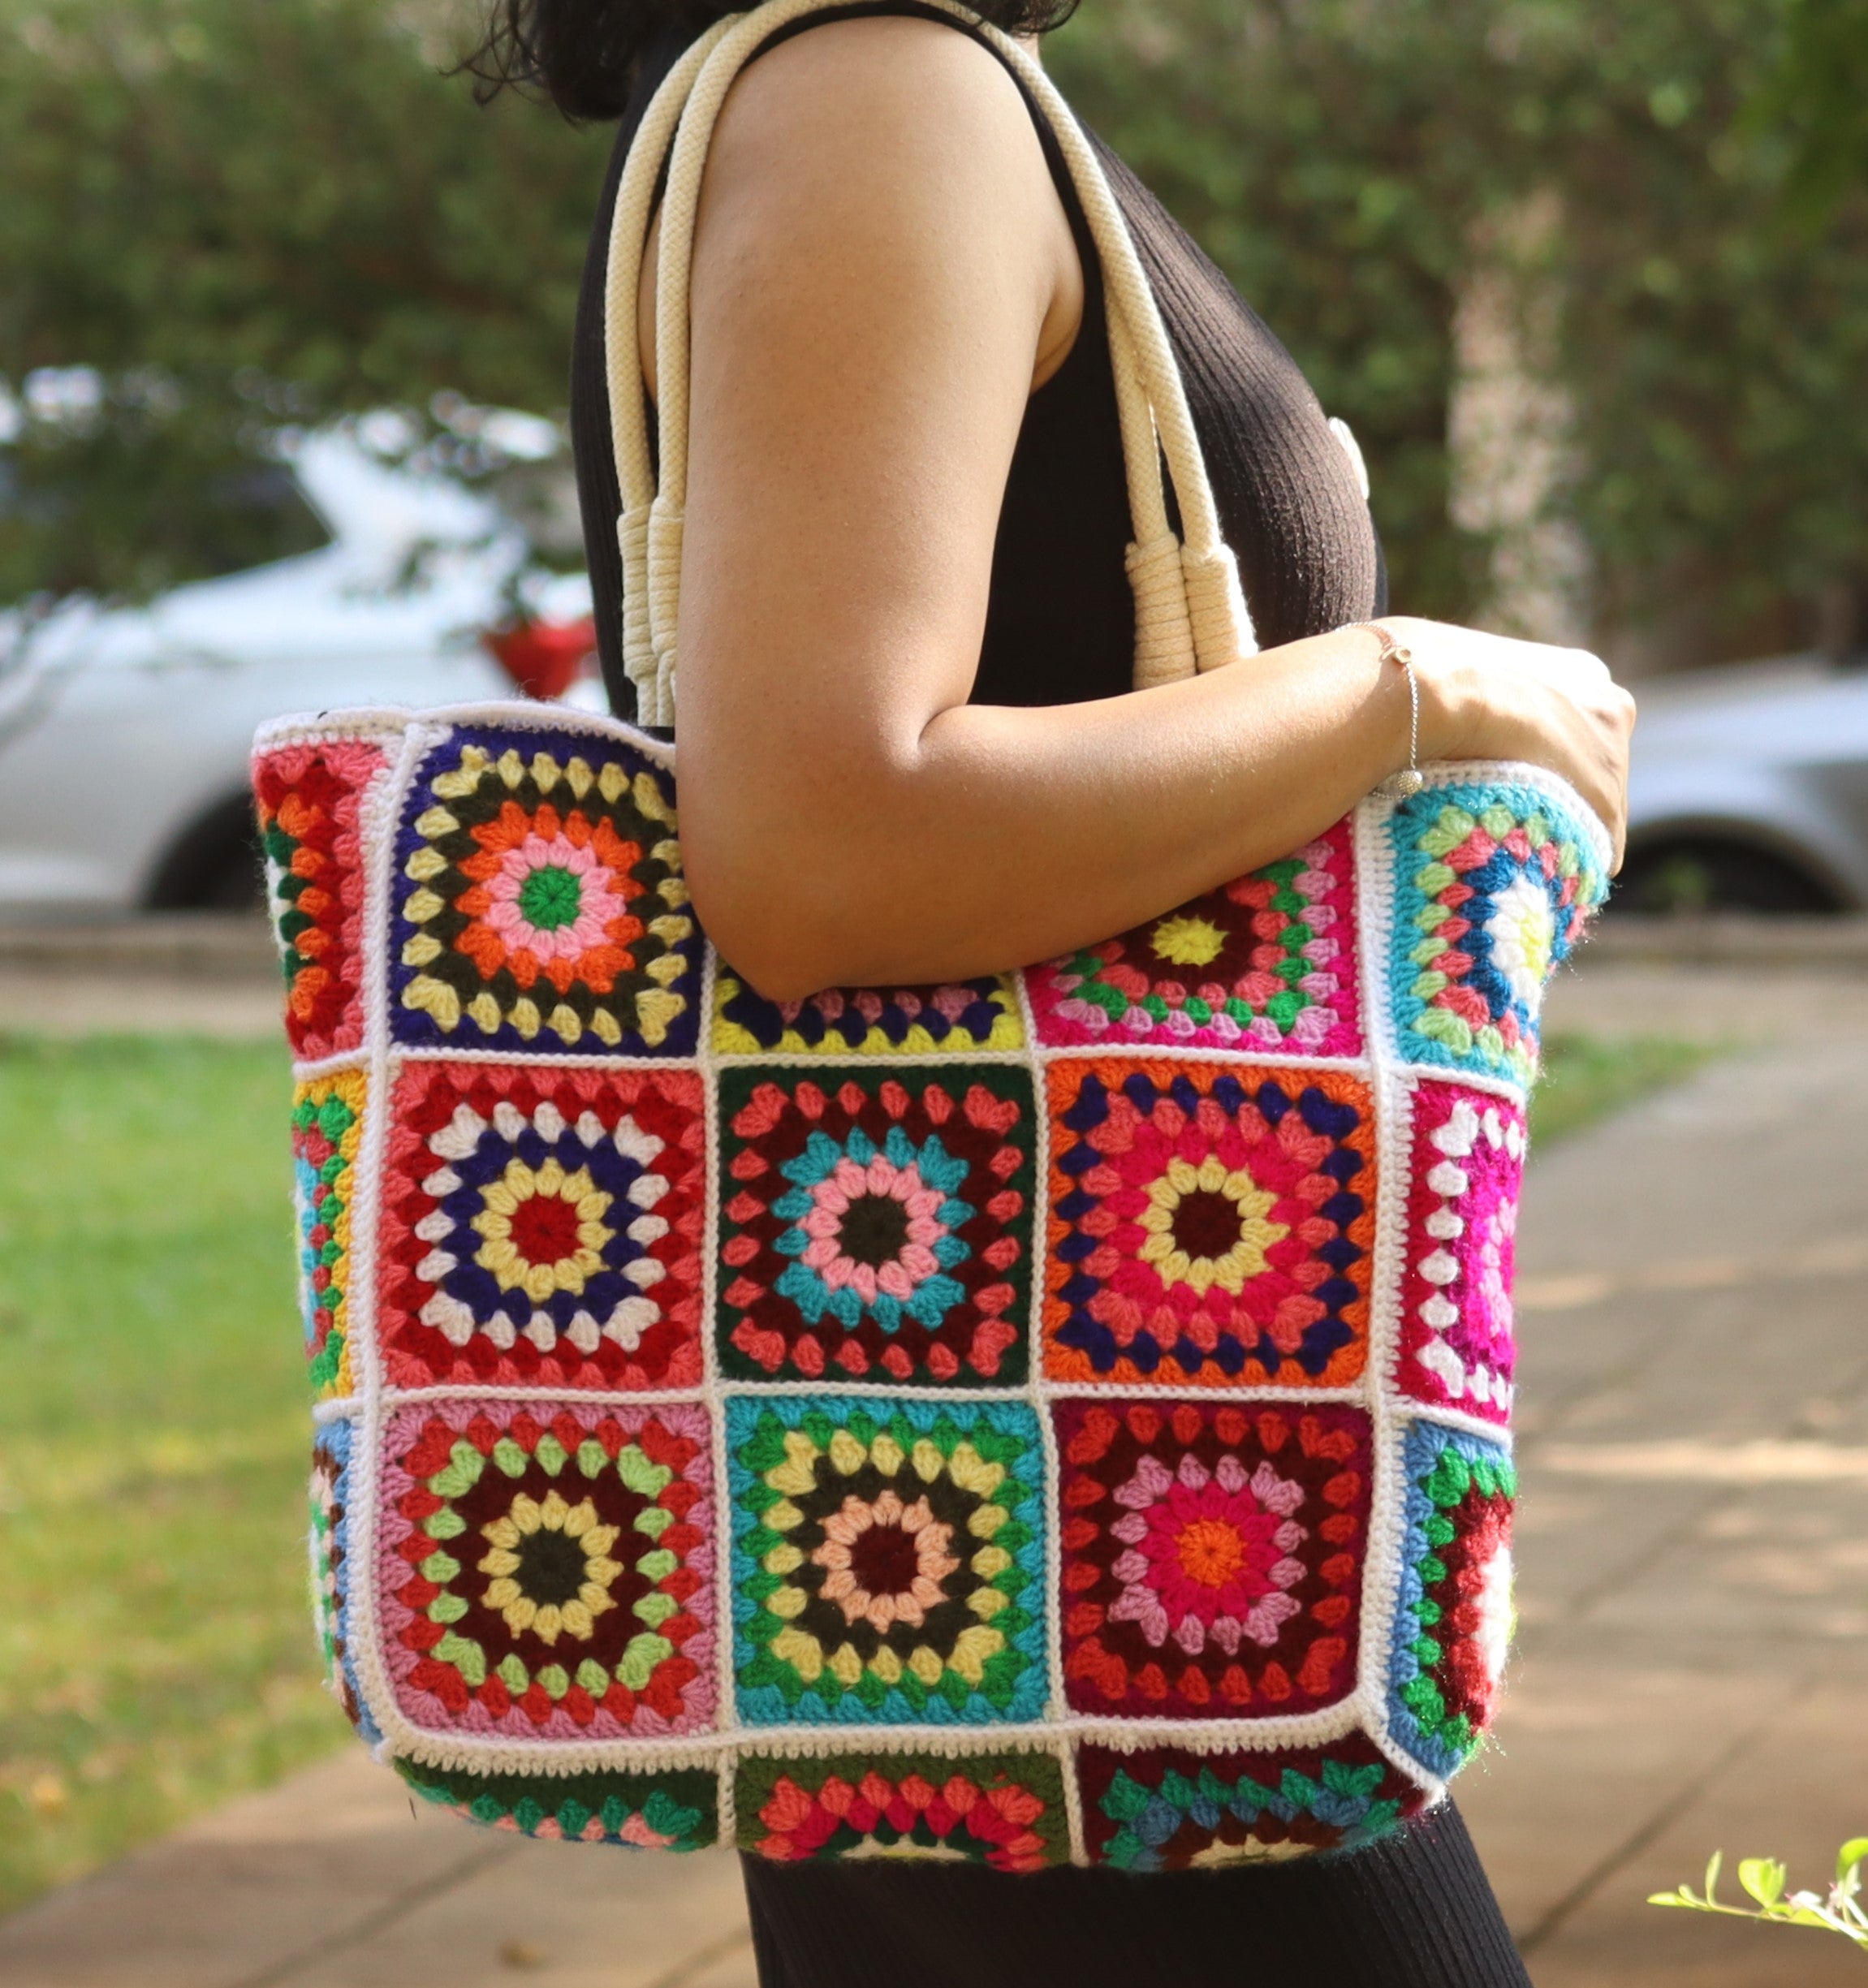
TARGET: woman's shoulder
(863,90)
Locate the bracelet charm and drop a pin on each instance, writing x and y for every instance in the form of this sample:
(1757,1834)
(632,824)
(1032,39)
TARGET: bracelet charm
(1409,780)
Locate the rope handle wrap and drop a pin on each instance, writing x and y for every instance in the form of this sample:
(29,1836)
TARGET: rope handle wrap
(1189,611)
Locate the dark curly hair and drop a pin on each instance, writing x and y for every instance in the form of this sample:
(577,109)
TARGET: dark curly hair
(583,54)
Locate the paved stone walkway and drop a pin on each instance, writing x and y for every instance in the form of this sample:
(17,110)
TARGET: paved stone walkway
(1693,1659)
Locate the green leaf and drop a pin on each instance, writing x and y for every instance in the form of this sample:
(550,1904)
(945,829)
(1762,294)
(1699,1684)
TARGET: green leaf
(1849,1858)
(1763,1877)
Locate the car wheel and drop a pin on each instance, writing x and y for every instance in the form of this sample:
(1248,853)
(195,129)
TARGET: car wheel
(1703,874)
(215,864)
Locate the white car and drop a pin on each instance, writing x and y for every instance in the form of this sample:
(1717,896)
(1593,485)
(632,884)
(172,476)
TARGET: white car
(124,733)
(1750,791)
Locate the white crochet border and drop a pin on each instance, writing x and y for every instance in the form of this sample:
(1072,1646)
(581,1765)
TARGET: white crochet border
(406,739)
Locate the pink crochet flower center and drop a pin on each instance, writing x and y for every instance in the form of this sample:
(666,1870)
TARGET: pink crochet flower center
(597,904)
(832,1197)
(1208,1554)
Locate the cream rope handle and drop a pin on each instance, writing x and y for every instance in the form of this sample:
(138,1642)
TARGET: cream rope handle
(1189,611)
(628,418)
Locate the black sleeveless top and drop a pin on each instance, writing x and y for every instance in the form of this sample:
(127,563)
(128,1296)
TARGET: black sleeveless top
(1059,619)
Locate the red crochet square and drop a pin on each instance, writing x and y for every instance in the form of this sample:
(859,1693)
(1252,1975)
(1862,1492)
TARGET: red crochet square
(307,798)
(543,1227)
(877,1221)
(1212,1556)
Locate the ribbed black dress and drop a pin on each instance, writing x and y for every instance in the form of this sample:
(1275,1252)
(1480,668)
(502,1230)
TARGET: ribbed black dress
(1414,1911)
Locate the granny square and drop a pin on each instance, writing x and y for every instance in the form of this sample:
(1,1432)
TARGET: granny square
(877,1221)
(672,1808)
(327,1130)
(1004,1809)
(1162,1808)
(949,1021)
(553,1571)
(308,800)
(331,1570)
(1493,884)
(1267,963)
(543,1227)
(1453,1618)
(1212,1556)
(888,1560)
(1457,1349)
(539,901)
(1209,1223)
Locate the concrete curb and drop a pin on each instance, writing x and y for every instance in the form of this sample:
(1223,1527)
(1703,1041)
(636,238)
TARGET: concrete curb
(1798,943)
(182,945)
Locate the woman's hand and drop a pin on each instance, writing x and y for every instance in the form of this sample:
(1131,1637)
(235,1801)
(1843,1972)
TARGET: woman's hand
(1490,696)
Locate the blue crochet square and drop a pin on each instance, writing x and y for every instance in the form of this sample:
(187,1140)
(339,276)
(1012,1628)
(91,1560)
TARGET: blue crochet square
(1453,1614)
(888,1560)
(538,904)
(1493,885)
(331,1573)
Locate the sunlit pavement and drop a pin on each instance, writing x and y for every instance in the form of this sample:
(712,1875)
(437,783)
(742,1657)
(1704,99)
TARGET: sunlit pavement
(1693,1553)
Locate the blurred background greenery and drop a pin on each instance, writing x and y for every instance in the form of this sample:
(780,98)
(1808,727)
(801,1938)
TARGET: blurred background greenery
(1589,280)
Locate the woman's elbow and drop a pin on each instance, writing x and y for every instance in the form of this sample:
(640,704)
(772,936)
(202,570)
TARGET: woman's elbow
(774,937)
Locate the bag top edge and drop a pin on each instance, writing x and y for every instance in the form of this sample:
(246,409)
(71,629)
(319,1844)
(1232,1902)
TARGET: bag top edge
(384,721)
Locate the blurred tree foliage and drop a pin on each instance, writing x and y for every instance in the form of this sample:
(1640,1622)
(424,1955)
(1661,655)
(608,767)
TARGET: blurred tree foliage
(245,216)
(290,189)
(1344,160)
(282,210)
(1818,96)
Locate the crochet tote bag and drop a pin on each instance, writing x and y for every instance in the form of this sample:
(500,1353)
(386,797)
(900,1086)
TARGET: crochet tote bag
(1060,1416)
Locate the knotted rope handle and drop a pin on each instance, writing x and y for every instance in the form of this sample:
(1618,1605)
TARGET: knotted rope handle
(1189,612)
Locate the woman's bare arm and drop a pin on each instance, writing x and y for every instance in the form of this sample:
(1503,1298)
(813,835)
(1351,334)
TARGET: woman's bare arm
(882,268)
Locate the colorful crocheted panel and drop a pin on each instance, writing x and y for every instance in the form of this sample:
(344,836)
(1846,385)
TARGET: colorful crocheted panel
(671,1808)
(878,1225)
(1453,1618)
(1493,884)
(553,1575)
(1161,1809)
(1212,1556)
(1004,1809)
(540,905)
(1209,1224)
(1057,1416)
(888,1561)
(332,1575)
(1268,963)
(309,800)
(327,1132)
(544,1228)
(862,1021)
(1457,1348)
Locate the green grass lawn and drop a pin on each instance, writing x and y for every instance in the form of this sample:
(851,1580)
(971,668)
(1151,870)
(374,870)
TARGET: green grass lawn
(155,1650)
(1588,1077)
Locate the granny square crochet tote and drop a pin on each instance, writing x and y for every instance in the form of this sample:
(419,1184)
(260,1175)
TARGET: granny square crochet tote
(1059,1417)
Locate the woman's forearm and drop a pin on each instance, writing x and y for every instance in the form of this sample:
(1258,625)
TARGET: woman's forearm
(1011,835)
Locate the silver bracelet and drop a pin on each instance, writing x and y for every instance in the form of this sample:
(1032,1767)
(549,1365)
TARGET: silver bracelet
(1410,779)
